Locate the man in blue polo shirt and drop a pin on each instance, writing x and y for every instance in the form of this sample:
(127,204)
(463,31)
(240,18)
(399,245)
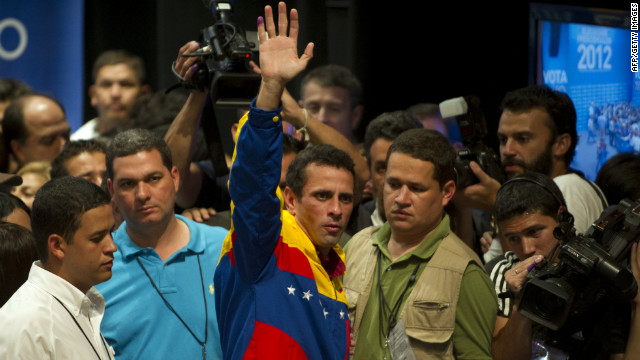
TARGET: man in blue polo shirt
(159,302)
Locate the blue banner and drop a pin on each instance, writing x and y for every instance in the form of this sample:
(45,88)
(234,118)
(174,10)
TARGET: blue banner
(42,44)
(592,64)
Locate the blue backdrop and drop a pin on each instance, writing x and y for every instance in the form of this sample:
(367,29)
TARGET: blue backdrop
(41,44)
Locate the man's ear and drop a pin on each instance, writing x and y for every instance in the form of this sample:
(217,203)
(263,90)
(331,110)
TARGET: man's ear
(16,149)
(92,95)
(234,132)
(448,190)
(289,200)
(561,145)
(175,175)
(110,187)
(356,116)
(57,246)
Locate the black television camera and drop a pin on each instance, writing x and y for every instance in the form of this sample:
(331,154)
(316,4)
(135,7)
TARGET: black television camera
(224,54)
(473,128)
(588,267)
(223,69)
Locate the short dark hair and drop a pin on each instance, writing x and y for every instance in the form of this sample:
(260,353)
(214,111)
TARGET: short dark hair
(17,253)
(133,141)
(58,208)
(334,75)
(12,89)
(291,145)
(557,104)
(73,149)
(115,57)
(9,202)
(618,178)
(427,145)
(13,126)
(388,126)
(529,192)
(321,154)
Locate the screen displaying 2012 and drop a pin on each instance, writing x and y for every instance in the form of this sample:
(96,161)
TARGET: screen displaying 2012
(592,64)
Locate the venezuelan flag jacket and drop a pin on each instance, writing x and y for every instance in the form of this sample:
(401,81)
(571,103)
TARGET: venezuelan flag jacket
(274,299)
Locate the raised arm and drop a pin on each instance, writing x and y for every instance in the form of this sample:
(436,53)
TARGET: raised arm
(181,135)
(255,172)
(279,60)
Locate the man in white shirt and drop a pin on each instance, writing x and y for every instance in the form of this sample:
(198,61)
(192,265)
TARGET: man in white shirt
(56,314)
(118,81)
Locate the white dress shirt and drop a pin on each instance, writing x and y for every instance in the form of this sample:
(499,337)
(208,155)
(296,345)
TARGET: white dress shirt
(35,325)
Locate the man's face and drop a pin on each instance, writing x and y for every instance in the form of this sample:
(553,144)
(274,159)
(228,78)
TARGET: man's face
(325,205)
(89,166)
(332,106)
(47,130)
(31,183)
(88,258)
(413,199)
(529,234)
(525,142)
(378,159)
(143,189)
(115,91)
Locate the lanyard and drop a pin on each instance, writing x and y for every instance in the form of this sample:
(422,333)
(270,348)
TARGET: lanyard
(83,333)
(393,312)
(206,314)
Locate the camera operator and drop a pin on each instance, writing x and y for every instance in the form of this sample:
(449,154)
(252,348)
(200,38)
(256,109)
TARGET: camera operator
(527,209)
(537,132)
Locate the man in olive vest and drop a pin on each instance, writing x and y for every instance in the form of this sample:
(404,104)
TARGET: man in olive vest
(414,288)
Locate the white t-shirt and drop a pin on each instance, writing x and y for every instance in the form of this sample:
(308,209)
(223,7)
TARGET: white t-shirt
(584,200)
(87,131)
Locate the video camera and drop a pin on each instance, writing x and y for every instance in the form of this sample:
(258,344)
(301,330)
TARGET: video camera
(588,267)
(473,128)
(223,69)
(224,54)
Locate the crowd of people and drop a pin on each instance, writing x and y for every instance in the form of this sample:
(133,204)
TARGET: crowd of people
(124,240)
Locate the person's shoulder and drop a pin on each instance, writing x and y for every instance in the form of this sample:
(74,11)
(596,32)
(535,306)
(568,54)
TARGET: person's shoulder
(87,131)
(28,308)
(363,236)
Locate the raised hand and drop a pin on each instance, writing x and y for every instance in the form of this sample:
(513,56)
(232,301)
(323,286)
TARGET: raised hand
(279,60)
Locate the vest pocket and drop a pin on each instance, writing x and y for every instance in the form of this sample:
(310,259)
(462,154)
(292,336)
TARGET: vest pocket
(429,321)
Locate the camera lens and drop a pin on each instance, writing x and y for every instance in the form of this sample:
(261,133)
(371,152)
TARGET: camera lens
(549,305)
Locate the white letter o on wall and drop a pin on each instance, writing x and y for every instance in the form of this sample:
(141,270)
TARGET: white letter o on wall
(22,41)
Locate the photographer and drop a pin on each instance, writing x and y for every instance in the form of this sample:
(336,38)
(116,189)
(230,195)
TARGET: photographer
(527,210)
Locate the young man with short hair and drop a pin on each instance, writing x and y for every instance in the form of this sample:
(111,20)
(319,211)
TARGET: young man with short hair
(81,158)
(528,208)
(118,81)
(57,313)
(414,288)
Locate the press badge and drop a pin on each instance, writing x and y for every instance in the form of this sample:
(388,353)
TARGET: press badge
(399,343)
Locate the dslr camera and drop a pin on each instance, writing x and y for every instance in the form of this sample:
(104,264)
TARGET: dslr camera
(223,59)
(588,267)
(473,128)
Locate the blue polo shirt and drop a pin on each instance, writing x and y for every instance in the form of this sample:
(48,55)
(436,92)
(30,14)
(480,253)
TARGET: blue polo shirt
(137,322)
